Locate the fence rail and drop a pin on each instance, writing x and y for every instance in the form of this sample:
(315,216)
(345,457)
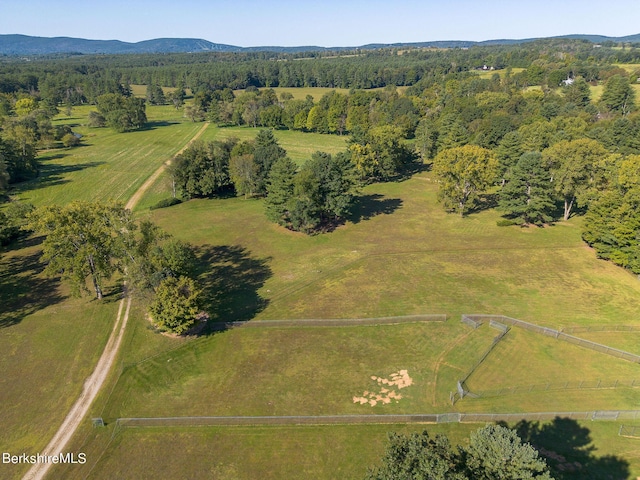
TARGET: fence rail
(601,328)
(332,322)
(597,415)
(557,386)
(632,431)
(550,332)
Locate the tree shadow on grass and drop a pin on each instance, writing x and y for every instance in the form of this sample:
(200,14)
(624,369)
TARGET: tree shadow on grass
(230,279)
(366,207)
(484,201)
(23,287)
(568,448)
(156,124)
(52,174)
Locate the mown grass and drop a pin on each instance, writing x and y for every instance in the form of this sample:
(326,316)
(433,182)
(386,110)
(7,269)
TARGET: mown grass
(321,452)
(299,145)
(524,358)
(108,165)
(324,452)
(399,253)
(290,371)
(50,344)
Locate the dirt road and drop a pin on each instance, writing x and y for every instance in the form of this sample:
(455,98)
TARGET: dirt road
(93,384)
(135,198)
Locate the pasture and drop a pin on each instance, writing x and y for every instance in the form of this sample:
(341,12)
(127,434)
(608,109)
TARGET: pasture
(336,451)
(107,165)
(399,253)
(50,344)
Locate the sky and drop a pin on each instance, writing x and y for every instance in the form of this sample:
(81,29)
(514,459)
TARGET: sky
(323,23)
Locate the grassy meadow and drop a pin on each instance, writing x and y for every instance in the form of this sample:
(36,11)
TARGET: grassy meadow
(398,253)
(107,165)
(337,451)
(50,344)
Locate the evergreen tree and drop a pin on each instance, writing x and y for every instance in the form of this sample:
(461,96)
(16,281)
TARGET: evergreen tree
(508,153)
(528,193)
(267,151)
(618,96)
(280,190)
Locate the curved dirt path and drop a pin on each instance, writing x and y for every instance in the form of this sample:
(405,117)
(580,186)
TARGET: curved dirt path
(93,384)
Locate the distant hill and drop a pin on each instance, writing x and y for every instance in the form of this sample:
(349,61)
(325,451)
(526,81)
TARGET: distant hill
(28,45)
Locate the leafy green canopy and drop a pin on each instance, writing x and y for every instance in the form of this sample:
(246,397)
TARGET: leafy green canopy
(494,453)
(83,241)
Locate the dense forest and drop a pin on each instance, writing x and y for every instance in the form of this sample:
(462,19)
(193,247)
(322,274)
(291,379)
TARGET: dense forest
(516,127)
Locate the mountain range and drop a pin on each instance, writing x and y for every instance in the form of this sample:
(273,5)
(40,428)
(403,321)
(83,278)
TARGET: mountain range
(14,44)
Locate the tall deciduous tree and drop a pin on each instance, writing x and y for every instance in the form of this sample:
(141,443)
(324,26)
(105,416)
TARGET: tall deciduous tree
(176,305)
(463,172)
(203,169)
(573,167)
(83,241)
(244,174)
(122,113)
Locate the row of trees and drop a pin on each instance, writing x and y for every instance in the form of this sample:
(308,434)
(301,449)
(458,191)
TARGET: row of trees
(208,169)
(304,199)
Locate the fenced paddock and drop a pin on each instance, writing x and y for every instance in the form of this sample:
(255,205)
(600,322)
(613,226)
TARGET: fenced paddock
(502,323)
(560,335)
(461,388)
(556,386)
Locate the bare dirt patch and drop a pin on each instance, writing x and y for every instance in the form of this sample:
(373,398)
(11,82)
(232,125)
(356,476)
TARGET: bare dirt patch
(383,395)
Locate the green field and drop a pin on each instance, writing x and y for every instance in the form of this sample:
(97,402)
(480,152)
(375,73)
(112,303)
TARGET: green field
(398,253)
(107,165)
(50,344)
(299,146)
(341,451)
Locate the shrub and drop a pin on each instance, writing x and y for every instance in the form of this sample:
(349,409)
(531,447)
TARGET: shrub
(166,202)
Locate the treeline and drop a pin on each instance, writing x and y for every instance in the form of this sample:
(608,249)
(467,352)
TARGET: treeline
(82,79)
